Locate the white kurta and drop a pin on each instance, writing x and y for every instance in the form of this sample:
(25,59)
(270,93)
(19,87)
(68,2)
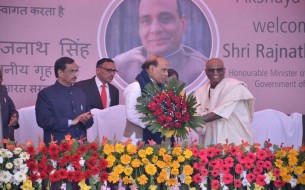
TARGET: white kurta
(134,126)
(234,103)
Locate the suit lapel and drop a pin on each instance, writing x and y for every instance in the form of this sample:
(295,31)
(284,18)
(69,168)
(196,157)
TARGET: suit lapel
(96,94)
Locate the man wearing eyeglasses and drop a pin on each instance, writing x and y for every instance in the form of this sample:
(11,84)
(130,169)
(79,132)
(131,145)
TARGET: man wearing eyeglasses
(226,105)
(101,93)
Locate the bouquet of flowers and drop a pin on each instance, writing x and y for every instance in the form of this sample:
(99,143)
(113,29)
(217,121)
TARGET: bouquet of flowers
(169,110)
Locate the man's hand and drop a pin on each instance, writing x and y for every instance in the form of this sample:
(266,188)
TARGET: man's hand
(13,120)
(83,118)
(210,117)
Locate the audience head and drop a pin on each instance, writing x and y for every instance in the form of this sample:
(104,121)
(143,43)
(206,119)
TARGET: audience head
(105,70)
(161,26)
(215,71)
(156,68)
(66,71)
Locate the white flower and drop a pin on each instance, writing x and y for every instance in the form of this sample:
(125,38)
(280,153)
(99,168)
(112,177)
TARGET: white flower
(18,161)
(245,182)
(243,174)
(24,168)
(9,154)
(70,168)
(19,177)
(1,160)
(9,165)
(182,177)
(5,176)
(293,182)
(175,187)
(203,183)
(82,161)
(24,156)
(54,163)
(39,180)
(63,186)
(17,151)
(168,172)
(267,180)
(105,186)
(3,152)
(225,187)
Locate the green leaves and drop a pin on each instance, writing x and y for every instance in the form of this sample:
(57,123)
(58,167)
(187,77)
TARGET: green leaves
(169,110)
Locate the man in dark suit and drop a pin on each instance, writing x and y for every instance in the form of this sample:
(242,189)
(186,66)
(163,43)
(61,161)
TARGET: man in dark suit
(9,114)
(105,71)
(61,108)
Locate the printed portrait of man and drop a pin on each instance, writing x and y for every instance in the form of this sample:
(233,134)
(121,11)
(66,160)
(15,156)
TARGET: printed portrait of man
(174,29)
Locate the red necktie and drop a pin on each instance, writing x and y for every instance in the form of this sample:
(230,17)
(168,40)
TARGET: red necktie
(104,95)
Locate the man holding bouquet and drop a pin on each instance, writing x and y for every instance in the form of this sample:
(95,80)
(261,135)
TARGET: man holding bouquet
(154,70)
(226,105)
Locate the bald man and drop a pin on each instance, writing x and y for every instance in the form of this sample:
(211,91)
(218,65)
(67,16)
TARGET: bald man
(226,105)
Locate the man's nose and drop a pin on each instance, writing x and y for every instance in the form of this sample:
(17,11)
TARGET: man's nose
(155,27)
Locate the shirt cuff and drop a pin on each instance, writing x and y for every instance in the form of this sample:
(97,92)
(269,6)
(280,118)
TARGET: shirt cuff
(69,123)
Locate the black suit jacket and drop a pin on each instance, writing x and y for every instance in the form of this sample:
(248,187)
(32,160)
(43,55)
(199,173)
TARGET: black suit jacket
(7,110)
(93,94)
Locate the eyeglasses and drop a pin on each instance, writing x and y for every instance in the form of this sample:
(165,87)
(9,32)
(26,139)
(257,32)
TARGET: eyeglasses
(211,70)
(109,70)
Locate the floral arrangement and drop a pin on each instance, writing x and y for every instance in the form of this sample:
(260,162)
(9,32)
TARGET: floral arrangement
(149,166)
(290,166)
(233,167)
(13,167)
(169,110)
(76,164)
(67,165)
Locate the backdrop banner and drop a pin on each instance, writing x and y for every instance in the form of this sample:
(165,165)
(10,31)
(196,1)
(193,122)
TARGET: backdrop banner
(262,43)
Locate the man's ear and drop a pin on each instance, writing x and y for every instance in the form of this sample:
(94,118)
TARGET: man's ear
(184,23)
(60,72)
(150,69)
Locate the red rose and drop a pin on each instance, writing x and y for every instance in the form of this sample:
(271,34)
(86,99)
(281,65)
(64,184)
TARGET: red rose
(170,93)
(178,115)
(163,96)
(159,111)
(169,119)
(177,124)
(161,120)
(103,176)
(170,110)
(156,97)
(152,106)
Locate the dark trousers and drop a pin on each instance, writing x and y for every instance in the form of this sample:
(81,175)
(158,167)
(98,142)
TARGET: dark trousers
(148,135)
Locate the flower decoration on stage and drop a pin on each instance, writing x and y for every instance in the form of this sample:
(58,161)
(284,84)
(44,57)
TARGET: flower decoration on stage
(169,110)
(13,168)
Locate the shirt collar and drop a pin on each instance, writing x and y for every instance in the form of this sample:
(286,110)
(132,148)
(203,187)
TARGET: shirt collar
(99,83)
